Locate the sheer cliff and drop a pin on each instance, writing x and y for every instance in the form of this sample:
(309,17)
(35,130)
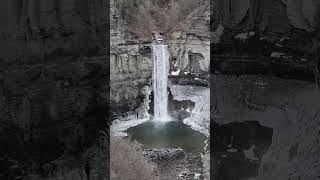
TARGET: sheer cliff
(53,76)
(276,37)
(130,54)
(264,68)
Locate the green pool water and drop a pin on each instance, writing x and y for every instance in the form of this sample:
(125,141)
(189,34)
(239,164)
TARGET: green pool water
(171,134)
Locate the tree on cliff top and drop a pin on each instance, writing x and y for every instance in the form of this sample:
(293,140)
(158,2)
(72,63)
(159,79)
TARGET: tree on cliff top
(143,17)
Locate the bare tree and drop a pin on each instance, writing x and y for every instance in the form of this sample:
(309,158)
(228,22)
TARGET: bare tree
(143,17)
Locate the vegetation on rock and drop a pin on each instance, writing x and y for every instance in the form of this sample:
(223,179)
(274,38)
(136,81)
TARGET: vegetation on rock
(143,17)
(128,163)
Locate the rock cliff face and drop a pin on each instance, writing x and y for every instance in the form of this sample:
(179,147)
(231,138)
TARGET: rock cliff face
(50,110)
(53,84)
(269,14)
(130,55)
(283,109)
(274,37)
(189,43)
(268,40)
(36,30)
(130,65)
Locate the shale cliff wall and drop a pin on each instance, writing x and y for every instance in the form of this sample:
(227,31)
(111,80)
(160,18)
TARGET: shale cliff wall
(53,84)
(253,43)
(130,55)
(274,37)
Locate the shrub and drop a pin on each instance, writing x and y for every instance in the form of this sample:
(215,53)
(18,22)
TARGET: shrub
(128,163)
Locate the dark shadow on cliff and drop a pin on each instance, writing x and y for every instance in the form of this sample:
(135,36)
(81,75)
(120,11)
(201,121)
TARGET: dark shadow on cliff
(238,149)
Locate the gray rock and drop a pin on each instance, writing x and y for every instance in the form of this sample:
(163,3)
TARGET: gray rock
(164,155)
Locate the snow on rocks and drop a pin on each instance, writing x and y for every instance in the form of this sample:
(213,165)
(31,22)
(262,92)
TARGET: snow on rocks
(132,119)
(200,115)
(175,73)
(277,55)
(119,126)
(250,155)
(244,36)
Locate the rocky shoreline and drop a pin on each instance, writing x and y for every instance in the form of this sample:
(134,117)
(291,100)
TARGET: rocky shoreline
(172,163)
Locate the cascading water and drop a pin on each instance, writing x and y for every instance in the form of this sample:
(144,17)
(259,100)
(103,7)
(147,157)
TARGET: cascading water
(160,57)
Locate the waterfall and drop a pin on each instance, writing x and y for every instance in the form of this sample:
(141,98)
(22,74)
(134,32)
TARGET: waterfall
(160,57)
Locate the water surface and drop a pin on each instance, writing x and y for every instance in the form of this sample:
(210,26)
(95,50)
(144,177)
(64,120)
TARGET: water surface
(173,134)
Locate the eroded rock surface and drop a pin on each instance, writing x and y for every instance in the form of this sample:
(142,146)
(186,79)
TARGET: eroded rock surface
(285,106)
(274,38)
(53,85)
(36,31)
(131,62)
(48,110)
(164,155)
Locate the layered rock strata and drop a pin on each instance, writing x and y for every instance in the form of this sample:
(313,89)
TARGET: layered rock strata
(54,89)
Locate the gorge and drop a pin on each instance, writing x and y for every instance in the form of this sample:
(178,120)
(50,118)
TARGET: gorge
(165,133)
(154,81)
(239,75)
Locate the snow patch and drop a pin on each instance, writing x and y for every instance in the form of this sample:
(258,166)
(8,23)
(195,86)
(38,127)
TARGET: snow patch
(199,119)
(244,36)
(175,73)
(196,176)
(277,55)
(118,126)
(249,154)
(263,38)
(284,38)
(251,33)
(232,150)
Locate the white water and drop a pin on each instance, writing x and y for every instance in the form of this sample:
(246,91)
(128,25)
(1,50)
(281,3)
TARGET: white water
(160,57)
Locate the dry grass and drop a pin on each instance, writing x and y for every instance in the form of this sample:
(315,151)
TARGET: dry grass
(145,16)
(128,163)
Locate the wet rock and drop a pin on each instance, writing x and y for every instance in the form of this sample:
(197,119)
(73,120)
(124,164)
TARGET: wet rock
(164,155)
(178,109)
